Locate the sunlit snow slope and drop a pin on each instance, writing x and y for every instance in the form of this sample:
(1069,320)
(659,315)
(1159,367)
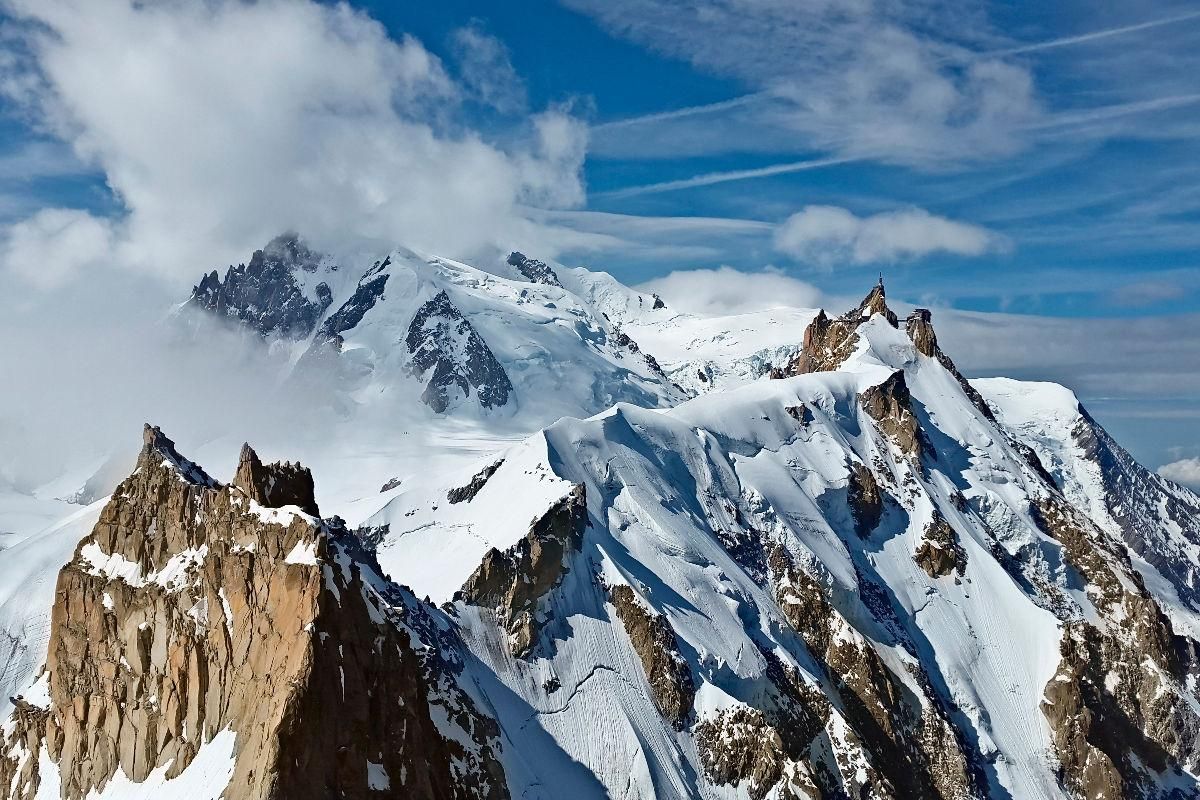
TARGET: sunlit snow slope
(864,577)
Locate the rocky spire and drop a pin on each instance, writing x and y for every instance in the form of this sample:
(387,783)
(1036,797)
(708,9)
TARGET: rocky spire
(265,294)
(919,327)
(875,303)
(183,618)
(275,485)
(158,450)
(828,342)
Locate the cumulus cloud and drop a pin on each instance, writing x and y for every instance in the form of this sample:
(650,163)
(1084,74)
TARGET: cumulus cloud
(219,124)
(1186,471)
(726,290)
(829,235)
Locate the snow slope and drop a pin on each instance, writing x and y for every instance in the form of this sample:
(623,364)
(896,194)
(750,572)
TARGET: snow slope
(685,505)
(858,582)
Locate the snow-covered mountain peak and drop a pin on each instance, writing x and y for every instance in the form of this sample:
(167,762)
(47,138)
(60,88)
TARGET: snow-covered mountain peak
(283,290)
(855,577)
(471,342)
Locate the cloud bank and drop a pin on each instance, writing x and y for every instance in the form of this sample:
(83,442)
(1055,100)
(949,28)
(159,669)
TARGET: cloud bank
(829,235)
(219,124)
(726,290)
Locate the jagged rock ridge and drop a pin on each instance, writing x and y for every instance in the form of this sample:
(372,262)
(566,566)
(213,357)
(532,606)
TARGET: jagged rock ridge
(534,270)
(266,294)
(195,609)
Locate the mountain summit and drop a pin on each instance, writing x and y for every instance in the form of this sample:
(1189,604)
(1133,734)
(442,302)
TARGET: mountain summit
(865,577)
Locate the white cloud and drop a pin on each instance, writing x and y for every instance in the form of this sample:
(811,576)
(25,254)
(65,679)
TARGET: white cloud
(219,124)
(486,69)
(726,290)
(47,249)
(829,235)
(1186,471)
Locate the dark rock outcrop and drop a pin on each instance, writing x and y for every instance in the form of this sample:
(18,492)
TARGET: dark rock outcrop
(441,339)
(866,500)
(465,494)
(939,553)
(533,270)
(366,295)
(514,582)
(890,405)
(654,641)
(265,294)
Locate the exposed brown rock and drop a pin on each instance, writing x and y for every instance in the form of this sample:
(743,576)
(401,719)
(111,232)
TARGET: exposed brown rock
(919,327)
(275,485)
(939,553)
(866,500)
(187,612)
(1117,706)
(911,742)
(829,342)
(739,745)
(514,582)
(654,641)
(890,405)
(801,413)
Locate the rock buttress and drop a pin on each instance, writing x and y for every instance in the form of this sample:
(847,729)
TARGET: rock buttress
(275,485)
(667,672)
(188,612)
(514,582)
(890,405)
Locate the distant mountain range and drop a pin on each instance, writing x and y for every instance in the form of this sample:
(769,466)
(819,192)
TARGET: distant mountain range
(609,550)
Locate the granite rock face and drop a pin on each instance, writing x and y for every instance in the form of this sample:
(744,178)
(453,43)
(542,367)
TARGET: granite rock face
(828,342)
(890,405)
(667,672)
(270,294)
(445,345)
(514,583)
(275,485)
(195,608)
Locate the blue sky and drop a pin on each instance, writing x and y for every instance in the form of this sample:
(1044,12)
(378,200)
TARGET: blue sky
(1100,213)
(1020,159)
